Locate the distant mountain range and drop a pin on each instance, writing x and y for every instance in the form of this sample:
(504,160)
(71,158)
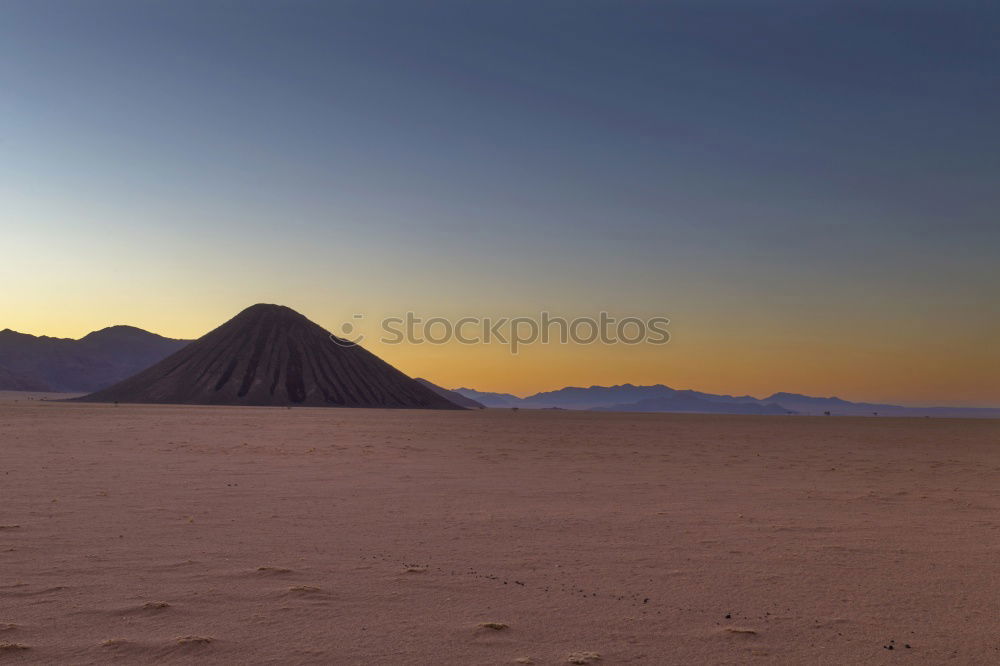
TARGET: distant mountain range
(691,404)
(804,404)
(97,360)
(660,398)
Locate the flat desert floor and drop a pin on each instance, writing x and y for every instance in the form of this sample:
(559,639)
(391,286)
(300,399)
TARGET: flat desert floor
(259,535)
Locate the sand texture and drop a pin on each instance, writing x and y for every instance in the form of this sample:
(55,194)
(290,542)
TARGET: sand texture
(135,533)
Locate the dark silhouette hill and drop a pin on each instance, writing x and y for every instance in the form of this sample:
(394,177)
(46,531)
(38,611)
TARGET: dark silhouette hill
(272,355)
(93,362)
(457,398)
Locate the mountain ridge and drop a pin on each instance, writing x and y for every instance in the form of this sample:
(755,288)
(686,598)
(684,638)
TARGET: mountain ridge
(89,363)
(659,397)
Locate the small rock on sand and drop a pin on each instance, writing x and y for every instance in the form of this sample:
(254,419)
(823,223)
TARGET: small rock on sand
(495,626)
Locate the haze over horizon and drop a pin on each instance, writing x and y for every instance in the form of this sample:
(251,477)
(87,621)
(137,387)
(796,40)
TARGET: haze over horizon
(807,190)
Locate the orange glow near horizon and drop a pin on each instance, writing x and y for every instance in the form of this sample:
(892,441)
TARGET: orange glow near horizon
(757,360)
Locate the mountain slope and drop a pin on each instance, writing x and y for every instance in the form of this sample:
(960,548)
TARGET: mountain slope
(488,399)
(10,381)
(272,355)
(95,361)
(454,397)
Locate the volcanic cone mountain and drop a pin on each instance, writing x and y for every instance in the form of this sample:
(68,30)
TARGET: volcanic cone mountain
(272,355)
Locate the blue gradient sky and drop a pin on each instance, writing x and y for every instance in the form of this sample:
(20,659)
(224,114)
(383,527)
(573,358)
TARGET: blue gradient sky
(807,189)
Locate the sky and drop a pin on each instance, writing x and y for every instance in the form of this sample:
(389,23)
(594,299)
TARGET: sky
(806,189)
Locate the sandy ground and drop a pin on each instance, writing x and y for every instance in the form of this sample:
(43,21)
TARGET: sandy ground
(264,535)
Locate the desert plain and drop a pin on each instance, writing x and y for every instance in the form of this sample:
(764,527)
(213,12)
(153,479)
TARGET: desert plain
(229,535)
